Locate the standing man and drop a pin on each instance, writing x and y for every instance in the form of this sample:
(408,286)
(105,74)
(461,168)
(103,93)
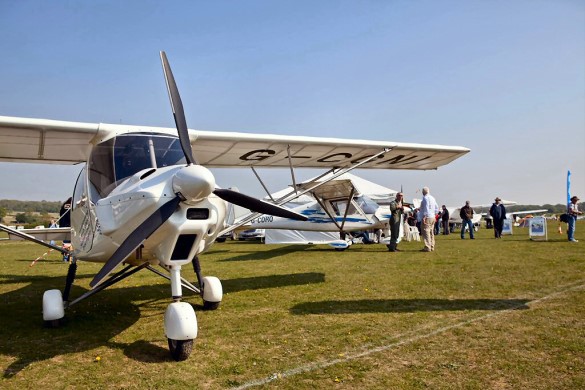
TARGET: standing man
(396,211)
(573,211)
(466,214)
(498,213)
(445,220)
(426,215)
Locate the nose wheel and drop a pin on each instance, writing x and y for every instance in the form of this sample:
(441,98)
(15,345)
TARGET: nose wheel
(180,329)
(180,349)
(180,320)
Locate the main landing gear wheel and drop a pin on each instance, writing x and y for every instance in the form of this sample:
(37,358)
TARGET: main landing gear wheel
(180,349)
(212,292)
(53,308)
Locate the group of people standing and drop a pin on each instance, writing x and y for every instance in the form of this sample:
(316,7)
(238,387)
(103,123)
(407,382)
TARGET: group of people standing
(425,216)
(429,215)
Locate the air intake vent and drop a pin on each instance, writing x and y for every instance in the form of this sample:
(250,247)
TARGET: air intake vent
(183,246)
(197,213)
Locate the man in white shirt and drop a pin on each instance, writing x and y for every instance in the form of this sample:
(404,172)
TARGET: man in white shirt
(426,215)
(573,211)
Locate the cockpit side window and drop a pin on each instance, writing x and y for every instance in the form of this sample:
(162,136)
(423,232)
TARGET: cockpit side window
(367,204)
(79,191)
(101,170)
(341,205)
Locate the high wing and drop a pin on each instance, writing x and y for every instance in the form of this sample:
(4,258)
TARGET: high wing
(60,142)
(225,149)
(42,140)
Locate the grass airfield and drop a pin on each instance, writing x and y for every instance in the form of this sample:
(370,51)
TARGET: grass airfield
(497,314)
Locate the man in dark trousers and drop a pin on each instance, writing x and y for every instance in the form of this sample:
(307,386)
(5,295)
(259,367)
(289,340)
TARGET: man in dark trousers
(396,211)
(498,213)
(445,220)
(466,214)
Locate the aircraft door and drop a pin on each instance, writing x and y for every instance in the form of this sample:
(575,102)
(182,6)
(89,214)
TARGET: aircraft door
(83,219)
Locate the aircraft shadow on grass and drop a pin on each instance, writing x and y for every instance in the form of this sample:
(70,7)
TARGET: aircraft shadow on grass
(94,323)
(266,254)
(406,305)
(284,250)
(271,281)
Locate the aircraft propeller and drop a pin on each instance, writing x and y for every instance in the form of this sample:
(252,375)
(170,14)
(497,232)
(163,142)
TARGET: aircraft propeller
(231,196)
(194,182)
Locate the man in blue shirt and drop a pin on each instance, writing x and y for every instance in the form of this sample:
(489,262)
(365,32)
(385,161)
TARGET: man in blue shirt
(426,215)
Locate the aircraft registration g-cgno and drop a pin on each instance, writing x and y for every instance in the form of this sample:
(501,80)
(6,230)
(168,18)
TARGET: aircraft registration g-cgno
(145,196)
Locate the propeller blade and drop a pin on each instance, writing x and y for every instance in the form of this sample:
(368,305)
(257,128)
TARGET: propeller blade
(136,238)
(177,107)
(257,205)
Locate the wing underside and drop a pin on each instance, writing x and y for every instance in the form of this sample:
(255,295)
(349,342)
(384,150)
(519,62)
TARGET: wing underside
(243,150)
(45,141)
(41,140)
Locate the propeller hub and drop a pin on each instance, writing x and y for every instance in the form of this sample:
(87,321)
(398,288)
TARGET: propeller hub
(194,182)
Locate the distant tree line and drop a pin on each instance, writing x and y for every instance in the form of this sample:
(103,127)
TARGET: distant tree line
(30,206)
(29,213)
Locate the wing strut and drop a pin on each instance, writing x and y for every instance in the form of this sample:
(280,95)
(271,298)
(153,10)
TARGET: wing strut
(32,238)
(262,183)
(347,208)
(292,196)
(292,171)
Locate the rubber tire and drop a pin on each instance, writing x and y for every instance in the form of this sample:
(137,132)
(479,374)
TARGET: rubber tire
(53,323)
(180,349)
(210,305)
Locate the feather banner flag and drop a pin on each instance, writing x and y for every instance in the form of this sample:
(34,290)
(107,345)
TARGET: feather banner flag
(568,187)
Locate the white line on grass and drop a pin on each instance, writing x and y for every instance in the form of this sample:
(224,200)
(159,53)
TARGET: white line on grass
(319,365)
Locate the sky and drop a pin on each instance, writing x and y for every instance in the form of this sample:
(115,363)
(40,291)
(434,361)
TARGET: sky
(505,79)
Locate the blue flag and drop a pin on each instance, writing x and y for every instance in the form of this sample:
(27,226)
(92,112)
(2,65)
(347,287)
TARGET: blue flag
(568,187)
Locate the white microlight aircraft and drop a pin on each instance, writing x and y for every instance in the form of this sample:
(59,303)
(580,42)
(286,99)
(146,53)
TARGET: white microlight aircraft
(145,197)
(333,205)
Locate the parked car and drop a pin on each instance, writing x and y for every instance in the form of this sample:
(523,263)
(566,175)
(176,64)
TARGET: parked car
(224,237)
(252,234)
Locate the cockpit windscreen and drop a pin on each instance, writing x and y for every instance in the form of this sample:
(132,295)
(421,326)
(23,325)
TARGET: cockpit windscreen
(118,158)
